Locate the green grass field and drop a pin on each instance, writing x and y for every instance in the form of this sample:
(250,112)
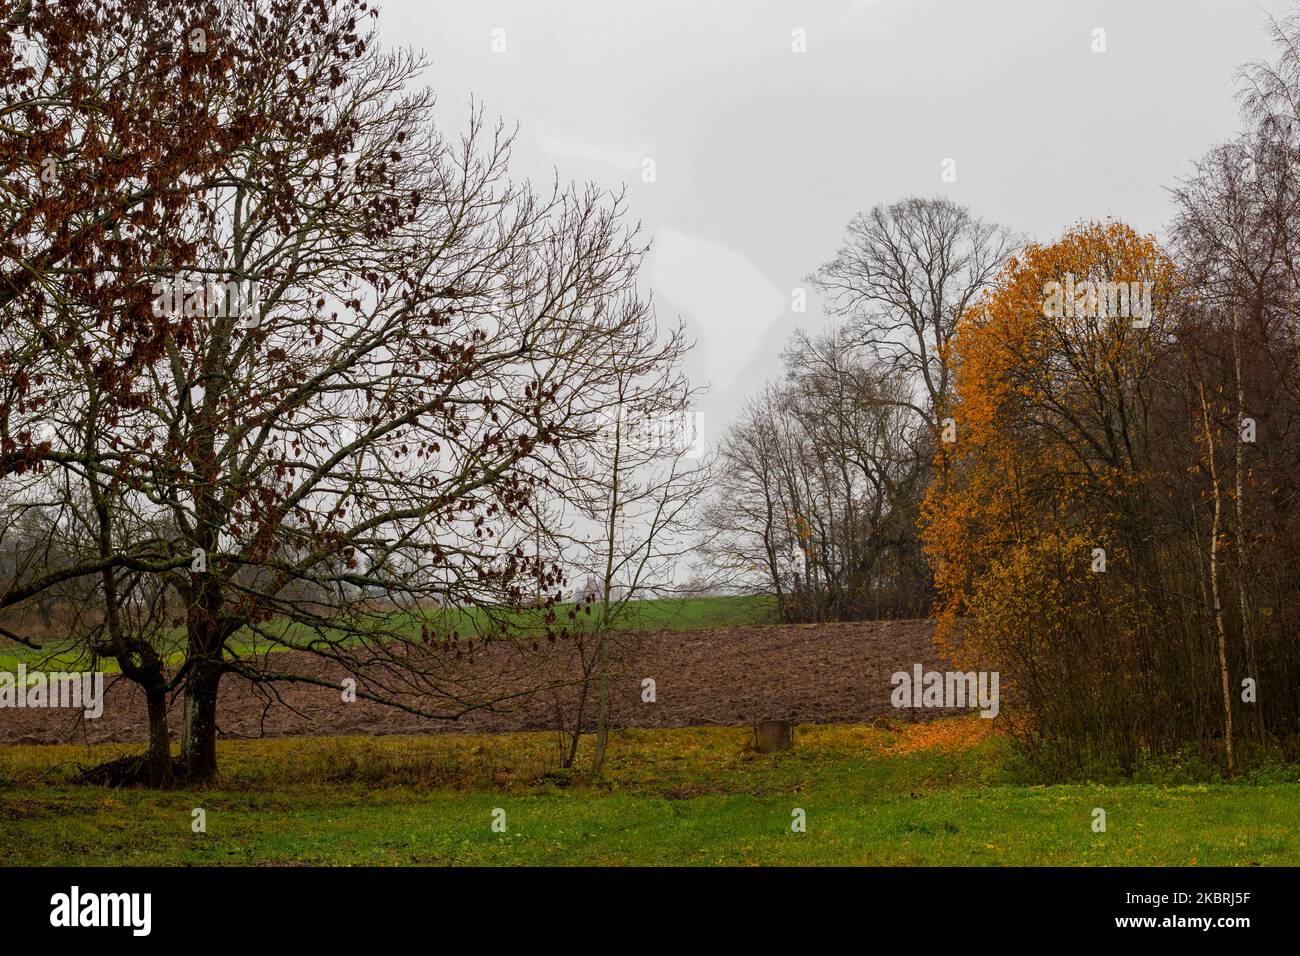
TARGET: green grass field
(679,614)
(937,794)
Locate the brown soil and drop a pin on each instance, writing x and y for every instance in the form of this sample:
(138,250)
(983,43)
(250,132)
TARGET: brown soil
(833,673)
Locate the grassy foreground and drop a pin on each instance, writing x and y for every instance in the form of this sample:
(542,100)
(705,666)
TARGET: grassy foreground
(936,794)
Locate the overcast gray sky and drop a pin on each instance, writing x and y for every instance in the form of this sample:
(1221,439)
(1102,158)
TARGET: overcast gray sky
(762,154)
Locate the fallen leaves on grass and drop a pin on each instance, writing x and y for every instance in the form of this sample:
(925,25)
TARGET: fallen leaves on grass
(945,736)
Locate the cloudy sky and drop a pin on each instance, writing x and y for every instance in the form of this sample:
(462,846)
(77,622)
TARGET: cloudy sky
(762,154)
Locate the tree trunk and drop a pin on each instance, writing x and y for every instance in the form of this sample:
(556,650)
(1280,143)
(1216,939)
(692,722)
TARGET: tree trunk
(160,751)
(575,732)
(611,542)
(772,735)
(602,706)
(199,730)
(1243,577)
(1215,531)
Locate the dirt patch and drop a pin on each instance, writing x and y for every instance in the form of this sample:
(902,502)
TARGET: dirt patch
(830,673)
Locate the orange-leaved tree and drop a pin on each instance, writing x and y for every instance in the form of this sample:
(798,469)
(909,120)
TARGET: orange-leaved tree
(1038,522)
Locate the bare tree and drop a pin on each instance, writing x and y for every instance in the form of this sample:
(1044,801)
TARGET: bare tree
(370,348)
(823,477)
(904,275)
(1236,239)
(626,508)
(818,487)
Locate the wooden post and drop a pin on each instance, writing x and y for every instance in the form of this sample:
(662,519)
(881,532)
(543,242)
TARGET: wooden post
(770,735)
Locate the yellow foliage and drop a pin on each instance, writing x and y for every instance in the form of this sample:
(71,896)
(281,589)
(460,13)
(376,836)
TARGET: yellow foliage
(1046,387)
